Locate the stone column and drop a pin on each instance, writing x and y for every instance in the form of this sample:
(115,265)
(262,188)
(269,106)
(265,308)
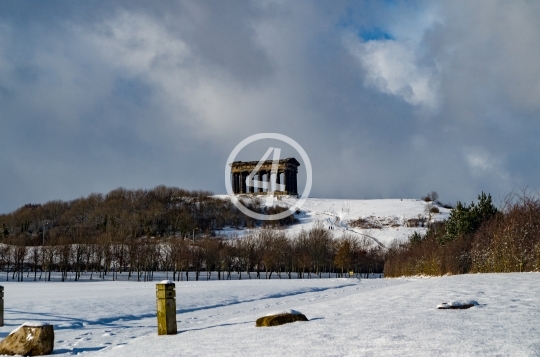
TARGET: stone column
(239,182)
(268,174)
(235,183)
(259,175)
(295,182)
(243,183)
(248,188)
(278,180)
(166,308)
(287,181)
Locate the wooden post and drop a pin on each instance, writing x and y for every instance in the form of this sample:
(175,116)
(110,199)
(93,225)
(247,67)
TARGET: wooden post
(166,308)
(1,305)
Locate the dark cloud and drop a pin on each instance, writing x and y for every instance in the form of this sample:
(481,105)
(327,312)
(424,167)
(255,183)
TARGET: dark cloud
(389,99)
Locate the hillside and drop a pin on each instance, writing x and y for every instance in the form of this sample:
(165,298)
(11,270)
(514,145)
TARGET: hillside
(382,220)
(145,230)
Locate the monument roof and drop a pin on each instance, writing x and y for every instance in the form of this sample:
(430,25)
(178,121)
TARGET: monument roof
(290,160)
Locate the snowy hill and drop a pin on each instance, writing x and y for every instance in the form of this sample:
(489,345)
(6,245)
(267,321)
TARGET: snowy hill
(382,220)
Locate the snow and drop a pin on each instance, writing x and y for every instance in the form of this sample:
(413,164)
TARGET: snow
(284,312)
(166,282)
(30,324)
(389,215)
(35,324)
(348,317)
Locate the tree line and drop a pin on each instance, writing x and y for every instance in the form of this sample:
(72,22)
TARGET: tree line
(138,232)
(259,254)
(476,238)
(123,214)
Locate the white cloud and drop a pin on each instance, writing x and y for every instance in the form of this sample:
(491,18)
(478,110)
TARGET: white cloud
(481,164)
(392,67)
(136,40)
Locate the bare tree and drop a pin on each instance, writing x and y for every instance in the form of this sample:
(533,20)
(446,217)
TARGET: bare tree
(5,257)
(35,256)
(19,255)
(320,246)
(345,247)
(64,256)
(49,253)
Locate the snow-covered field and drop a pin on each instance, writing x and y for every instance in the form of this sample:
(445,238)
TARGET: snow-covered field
(348,317)
(390,216)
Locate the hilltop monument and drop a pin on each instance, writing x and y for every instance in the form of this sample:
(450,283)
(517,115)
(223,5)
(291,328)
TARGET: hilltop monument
(262,177)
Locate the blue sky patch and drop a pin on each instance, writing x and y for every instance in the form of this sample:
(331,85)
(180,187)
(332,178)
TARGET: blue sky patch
(375,34)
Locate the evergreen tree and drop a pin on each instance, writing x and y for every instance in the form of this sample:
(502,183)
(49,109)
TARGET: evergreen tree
(467,219)
(415,239)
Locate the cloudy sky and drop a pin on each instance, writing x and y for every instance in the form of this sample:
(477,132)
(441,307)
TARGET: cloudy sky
(390,99)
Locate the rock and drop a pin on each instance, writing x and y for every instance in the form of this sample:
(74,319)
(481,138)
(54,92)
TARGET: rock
(280,318)
(29,339)
(458,304)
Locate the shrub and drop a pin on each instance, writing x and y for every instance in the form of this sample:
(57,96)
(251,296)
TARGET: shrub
(446,205)
(365,224)
(431,197)
(484,240)
(467,219)
(415,239)
(511,242)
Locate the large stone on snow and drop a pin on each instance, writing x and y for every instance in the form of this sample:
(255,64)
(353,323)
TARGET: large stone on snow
(29,339)
(280,318)
(457,304)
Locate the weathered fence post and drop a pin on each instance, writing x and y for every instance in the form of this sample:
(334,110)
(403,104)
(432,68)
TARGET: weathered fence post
(166,308)
(1,305)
